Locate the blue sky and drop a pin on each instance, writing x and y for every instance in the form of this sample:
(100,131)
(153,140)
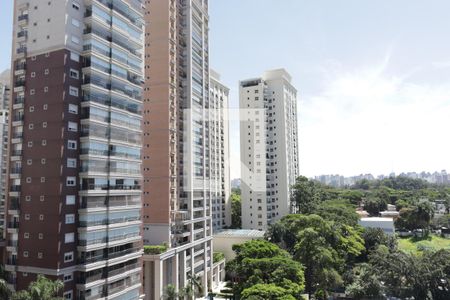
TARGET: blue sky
(373,76)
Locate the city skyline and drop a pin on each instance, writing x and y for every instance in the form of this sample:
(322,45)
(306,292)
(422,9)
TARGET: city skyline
(326,70)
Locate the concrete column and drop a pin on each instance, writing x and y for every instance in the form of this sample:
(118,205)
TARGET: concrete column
(147,282)
(175,266)
(205,268)
(183,278)
(158,279)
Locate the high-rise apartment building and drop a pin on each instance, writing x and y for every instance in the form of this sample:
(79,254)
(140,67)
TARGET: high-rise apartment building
(219,149)
(177,154)
(74,185)
(5,93)
(269,147)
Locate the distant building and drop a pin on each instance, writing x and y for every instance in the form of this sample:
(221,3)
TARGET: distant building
(224,240)
(236,183)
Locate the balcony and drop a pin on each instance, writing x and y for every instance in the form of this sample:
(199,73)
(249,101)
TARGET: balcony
(20,68)
(13,224)
(17,152)
(22,20)
(19,85)
(21,52)
(16,170)
(15,188)
(22,36)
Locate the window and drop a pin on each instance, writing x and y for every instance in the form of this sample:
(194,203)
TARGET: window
(31,108)
(32,92)
(30,144)
(45,106)
(41,236)
(42,198)
(40,255)
(71,162)
(27,198)
(26,235)
(43,161)
(70,200)
(70,219)
(74,57)
(71,181)
(75,5)
(73,126)
(41,217)
(28,179)
(68,277)
(75,40)
(31,126)
(73,91)
(46,71)
(25,253)
(33,74)
(27,217)
(44,142)
(74,74)
(44,124)
(29,162)
(72,145)
(69,238)
(68,295)
(75,23)
(73,109)
(42,179)
(68,257)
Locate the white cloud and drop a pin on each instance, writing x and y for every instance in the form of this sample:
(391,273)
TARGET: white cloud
(368,121)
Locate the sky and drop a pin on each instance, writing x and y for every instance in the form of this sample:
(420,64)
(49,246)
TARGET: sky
(373,77)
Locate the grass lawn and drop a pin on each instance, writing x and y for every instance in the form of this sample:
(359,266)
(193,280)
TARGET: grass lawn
(415,245)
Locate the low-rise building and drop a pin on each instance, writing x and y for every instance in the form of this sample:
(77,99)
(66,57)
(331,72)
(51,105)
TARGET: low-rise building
(386,224)
(224,240)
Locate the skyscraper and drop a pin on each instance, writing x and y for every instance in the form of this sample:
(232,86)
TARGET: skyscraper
(74,186)
(219,148)
(269,147)
(177,141)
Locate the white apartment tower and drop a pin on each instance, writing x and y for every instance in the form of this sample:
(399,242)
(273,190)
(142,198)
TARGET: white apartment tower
(219,148)
(269,147)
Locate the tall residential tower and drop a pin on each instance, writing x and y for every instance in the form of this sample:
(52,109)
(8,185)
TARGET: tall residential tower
(5,93)
(179,146)
(74,185)
(269,147)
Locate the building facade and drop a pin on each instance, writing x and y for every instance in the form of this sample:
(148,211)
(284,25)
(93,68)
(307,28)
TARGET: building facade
(177,150)
(74,176)
(5,93)
(219,148)
(269,147)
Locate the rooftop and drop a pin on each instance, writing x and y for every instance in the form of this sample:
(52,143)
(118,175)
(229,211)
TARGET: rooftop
(240,233)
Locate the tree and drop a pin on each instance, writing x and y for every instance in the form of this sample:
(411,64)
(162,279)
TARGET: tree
(236,210)
(5,292)
(340,211)
(266,292)
(41,289)
(373,238)
(170,293)
(320,261)
(309,193)
(416,216)
(365,283)
(373,205)
(261,262)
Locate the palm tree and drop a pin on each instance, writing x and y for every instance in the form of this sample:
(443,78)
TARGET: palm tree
(5,292)
(196,284)
(170,293)
(41,289)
